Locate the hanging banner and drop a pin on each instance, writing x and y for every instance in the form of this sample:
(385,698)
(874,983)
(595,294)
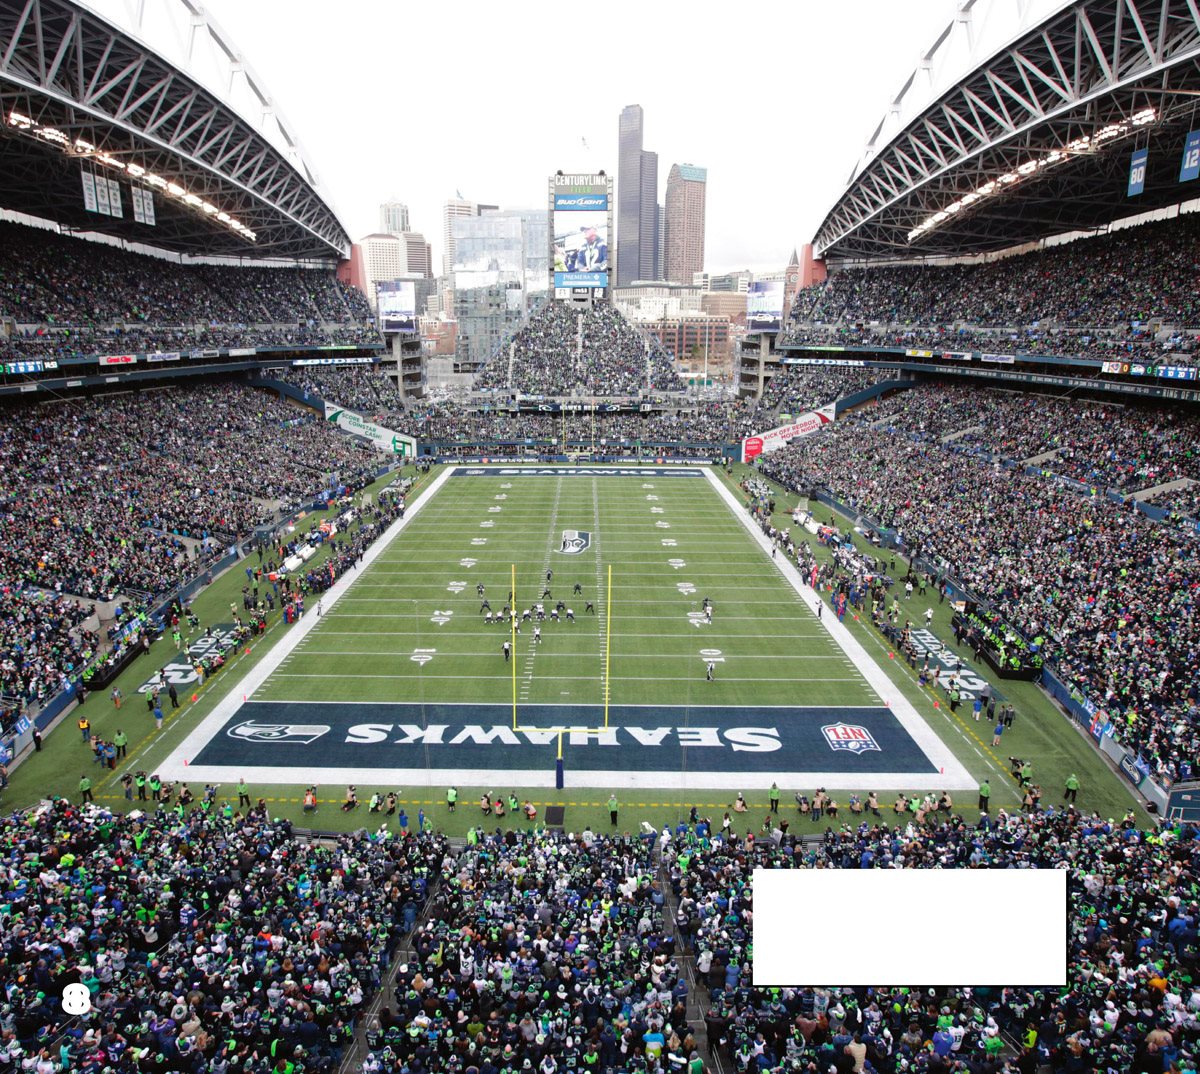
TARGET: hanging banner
(1137,172)
(774,439)
(89,192)
(1190,166)
(384,439)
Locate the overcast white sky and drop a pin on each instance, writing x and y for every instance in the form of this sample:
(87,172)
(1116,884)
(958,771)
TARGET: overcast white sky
(419,100)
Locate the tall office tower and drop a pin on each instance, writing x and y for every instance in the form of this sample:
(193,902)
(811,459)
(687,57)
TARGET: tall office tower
(455,209)
(637,202)
(393,217)
(683,229)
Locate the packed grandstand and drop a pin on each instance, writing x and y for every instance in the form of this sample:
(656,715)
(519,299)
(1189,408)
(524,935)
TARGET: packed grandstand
(270,936)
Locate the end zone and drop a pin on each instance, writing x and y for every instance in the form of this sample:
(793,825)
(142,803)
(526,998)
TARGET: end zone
(661,746)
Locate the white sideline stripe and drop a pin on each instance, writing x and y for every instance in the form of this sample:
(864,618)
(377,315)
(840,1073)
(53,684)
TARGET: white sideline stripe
(956,775)
(856,678)
(550,653)
(174,766)
(645,781)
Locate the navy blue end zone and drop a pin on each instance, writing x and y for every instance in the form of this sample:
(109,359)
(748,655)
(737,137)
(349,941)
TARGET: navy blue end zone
(323,736)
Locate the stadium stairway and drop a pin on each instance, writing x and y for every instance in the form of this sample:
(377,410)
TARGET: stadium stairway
(356,1053)
(687,963)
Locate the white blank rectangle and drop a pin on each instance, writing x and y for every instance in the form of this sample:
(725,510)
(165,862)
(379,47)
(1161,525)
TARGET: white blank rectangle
(849,927)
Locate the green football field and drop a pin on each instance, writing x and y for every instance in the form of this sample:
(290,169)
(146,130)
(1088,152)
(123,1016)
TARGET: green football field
(670,544)
(400,684)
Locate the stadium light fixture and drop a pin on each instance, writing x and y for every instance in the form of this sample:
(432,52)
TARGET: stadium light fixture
(1085,144)
(80,147)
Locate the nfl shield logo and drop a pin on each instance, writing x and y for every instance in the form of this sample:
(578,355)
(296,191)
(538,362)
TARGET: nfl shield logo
(575,541)
(849,736)
(302,734)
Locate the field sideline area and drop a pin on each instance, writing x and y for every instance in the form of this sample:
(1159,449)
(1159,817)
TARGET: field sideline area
(399,684)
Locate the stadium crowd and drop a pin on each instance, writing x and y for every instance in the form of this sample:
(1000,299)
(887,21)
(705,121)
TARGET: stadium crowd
(1130,1004)
(1093,297)
(560,351)
(49,286)
(210,940)
(356,387)
(1107,594)
(213,941)
(134,495)
(1135,274)
(1125,345)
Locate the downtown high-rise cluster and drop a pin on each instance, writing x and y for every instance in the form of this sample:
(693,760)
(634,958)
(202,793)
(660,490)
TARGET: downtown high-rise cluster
(656,241)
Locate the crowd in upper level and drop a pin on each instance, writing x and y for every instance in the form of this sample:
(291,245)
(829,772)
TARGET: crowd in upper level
(562,351)
(1128,295)
(72,298)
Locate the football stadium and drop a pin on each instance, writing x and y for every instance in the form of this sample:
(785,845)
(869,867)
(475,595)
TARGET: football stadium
(412,673)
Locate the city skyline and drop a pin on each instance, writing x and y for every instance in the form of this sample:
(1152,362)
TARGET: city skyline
(779,136)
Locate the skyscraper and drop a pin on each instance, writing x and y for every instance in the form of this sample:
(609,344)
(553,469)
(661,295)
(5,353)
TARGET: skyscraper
(683,229)
(393,217)
(455,209)
(637,202)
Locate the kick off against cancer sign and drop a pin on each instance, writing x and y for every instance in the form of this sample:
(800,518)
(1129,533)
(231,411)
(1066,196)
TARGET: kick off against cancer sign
(773,439)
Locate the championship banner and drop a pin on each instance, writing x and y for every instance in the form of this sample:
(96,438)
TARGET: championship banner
(774,439)
(384,439)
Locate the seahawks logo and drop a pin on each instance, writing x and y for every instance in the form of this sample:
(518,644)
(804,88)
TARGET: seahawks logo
(575,541)
(303,734)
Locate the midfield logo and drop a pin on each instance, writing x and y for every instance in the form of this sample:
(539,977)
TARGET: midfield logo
(849,736)
(302,734)
(575,541)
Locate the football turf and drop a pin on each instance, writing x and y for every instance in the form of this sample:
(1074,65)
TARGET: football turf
(716,673)
(382,644)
